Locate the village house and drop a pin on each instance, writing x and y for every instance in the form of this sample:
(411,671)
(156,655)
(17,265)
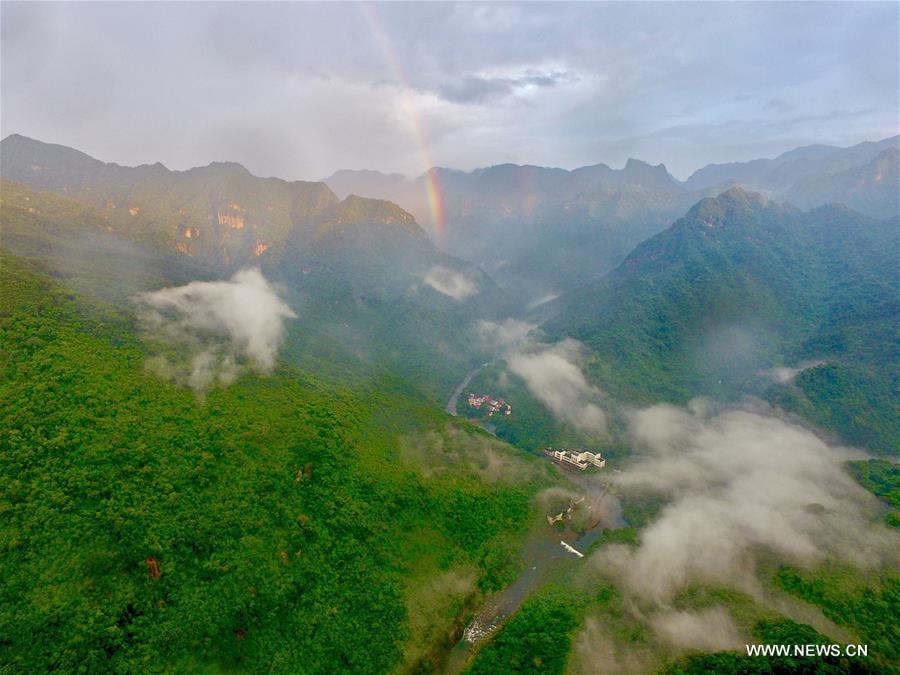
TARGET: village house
(495,406)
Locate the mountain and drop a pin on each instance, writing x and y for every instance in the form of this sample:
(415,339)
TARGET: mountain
(756,172)
(541,231)
(374,290)
(536,230)
(365,182)
(778,175)
(740,287)
(276,523)
(324,515)
(872,188)
(219,214)
(78,244)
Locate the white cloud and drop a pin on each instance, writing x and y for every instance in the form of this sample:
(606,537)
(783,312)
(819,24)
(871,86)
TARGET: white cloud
(552,375)
(740,482)
(450,282)
(786,375)
(214,325)
(709,630)
(505,335)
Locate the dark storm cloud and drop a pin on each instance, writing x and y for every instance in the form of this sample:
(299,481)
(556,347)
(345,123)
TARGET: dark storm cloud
(300,90)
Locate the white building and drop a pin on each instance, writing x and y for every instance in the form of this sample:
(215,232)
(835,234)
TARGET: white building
(580,459)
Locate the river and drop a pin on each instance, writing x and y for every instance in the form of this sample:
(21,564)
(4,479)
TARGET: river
(543,552)
(454,398)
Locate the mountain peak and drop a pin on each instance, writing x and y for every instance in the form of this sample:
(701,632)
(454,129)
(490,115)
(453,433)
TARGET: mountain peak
(646,175)
(734,203)
(737,194)
(17,148)
(633,164)
(365,173)
(354,210)
(231,168)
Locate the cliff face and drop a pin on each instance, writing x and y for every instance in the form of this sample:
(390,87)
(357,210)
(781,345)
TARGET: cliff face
(220,214)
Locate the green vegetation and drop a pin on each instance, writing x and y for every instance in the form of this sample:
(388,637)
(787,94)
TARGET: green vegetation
(77,244)
(328,518)
(537,639)
(268,527)
(739,286)
(775,632)
(882,478)
(868,607)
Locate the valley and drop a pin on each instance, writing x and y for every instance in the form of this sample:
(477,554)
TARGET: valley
(238,403)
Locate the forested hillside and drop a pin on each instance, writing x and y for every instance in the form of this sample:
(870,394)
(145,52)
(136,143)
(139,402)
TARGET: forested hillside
(269,526)
(375,293)
(744,296)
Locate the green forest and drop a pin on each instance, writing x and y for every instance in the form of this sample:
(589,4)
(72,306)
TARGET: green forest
(265,527)
(326,515)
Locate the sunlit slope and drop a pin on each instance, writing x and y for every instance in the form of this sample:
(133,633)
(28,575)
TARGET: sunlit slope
(740,286)
(360,272)
(80,246)
(277,524)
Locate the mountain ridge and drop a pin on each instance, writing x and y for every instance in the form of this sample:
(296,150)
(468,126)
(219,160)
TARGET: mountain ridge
(780,172)
(743,284)
(220,212)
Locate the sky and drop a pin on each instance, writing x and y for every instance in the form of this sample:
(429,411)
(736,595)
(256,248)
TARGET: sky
(301,90)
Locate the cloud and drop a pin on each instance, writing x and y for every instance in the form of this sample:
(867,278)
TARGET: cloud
(709,630)
(484,84)
(596,649)
(544,299)
(550,372)
(786,375)
(552,375)
(209,328)
(740,482)
(450,282)
(479,89)
(505,335)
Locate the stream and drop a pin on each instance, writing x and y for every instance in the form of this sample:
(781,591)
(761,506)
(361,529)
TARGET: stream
(546,549)
(542,554)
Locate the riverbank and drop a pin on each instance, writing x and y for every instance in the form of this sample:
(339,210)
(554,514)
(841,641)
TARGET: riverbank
(453,401)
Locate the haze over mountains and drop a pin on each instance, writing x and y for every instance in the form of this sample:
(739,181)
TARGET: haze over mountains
(585,221)
(352,265)
(593,369)
(741,285)
(309,502)
(372,283)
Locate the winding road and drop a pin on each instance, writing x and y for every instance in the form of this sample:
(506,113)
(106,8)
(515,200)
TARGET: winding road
(454,398)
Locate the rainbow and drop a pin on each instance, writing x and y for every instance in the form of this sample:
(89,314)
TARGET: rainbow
(433,191)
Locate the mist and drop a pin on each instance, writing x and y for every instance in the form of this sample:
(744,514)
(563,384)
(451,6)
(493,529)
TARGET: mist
(787,375)
(451,283)
(505,335)
(552,375)
(209,330)
(741,484)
